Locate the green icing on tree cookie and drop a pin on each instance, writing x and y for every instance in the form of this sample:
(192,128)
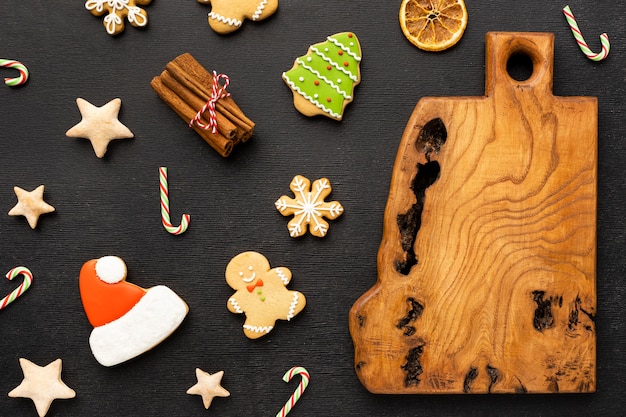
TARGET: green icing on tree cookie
(327,74)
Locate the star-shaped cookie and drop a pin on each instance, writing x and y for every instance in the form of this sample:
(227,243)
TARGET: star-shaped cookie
(42,384)
(100,125)
(30,204)
(208,386)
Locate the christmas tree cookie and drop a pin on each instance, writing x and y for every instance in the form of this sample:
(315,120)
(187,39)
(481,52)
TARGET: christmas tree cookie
(323,80)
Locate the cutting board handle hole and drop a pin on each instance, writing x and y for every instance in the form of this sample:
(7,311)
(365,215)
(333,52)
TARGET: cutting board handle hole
(520,66)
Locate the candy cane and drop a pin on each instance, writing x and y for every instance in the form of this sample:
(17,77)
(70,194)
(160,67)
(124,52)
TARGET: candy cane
(10,63)
(165,207)
(28,279)
(298,392)
(604,38)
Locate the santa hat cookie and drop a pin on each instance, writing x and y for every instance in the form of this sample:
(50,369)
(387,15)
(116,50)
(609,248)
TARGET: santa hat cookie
(128,320)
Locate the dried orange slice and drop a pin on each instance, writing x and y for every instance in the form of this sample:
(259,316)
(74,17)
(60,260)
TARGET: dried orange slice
(433,25)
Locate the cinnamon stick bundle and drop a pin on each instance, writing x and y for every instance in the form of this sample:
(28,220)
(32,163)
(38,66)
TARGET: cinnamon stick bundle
(185,85)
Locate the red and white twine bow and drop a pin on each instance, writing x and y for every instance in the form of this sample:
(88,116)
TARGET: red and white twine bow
(217,92)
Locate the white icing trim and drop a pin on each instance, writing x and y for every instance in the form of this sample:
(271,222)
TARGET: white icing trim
(113,19)
(110,269)
(334,64)
(258,329)
(309,98)
(344,48)
(159,312)
(259,10)
(283,277)
(135,17)
(329,82)
(292,306)
(231,21)
(235,305)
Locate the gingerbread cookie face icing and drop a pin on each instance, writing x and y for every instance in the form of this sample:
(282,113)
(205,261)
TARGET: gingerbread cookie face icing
(261,293)
(228,15)
(128,320)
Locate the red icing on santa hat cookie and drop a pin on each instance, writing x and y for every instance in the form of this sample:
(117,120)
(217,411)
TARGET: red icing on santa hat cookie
(128,320)
(104,291)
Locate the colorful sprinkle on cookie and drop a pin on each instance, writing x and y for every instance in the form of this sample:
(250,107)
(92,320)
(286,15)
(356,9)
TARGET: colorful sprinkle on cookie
(100,125)
(262,293)
(42,384)
(209,386)
(308,208)
(31,205)
(323,80)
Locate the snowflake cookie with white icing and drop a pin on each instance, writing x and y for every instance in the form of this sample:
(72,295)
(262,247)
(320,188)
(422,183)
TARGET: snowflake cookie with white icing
(308,208)
(228,15)
(261,293)
(116,11)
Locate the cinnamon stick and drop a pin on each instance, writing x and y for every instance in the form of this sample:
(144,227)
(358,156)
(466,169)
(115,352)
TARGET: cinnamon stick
(224,125)
(219,142)
(202,80)
(196,89)
(186,86)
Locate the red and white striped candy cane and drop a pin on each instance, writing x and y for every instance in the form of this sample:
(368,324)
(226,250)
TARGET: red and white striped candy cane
(296,370)
(28,279)
(165,207)
(11,63)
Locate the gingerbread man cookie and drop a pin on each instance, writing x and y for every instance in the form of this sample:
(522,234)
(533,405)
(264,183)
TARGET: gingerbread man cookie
(261,293)
(228,15)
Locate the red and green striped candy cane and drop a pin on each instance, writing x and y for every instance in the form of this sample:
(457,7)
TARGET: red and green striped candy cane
(296,370)
(11,63)
(25,285)
(165,207)
(604,38)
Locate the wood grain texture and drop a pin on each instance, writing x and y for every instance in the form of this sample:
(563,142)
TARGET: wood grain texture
(487,266)
(111,205)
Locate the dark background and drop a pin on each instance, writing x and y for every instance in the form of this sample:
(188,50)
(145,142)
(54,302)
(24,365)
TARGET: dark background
(111,205)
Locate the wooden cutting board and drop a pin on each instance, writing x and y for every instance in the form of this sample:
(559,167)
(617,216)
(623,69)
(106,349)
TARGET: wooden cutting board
(487,266)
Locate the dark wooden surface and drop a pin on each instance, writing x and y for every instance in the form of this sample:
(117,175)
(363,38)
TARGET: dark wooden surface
(111,206)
